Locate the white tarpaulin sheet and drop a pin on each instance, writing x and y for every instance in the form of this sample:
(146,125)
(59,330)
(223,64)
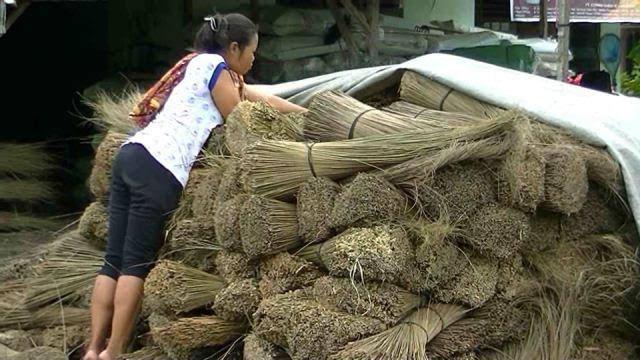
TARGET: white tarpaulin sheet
(598,118)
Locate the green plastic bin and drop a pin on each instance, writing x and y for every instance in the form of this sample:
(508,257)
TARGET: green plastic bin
(517,57)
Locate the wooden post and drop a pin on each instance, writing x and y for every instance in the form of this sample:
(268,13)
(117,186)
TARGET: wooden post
(373,18)
(369,23)
(355,13)
(3,17)
(344,30)
(562,22)
(544,24)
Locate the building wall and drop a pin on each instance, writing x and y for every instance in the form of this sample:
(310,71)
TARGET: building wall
(461,11)
(204,7)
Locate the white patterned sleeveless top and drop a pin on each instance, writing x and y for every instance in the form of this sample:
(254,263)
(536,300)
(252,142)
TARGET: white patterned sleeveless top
(180,129)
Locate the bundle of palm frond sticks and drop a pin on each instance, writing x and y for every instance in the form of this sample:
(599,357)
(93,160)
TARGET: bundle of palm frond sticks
(308,329)
(238,301)
(15,315)
(253,121)
(431,94)
(93,224)
(284,272)
(335,116)
(386,302)
(192,235)
(268,226)
(175,288)
(29,160)
(227,222)
(23,168)
(315,203)
(180,337)
(259,349)
(14,221)
(234,266)
(100,177)
(408,339)
(414,111)
(382,253)
(367,200)
(111,111)
(278,168)
(70,264)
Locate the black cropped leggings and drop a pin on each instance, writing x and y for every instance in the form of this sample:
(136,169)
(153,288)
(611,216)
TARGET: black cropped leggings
(143,195)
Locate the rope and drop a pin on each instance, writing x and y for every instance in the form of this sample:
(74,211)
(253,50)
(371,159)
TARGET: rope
(352,129)
(319,254)
(439,317)
(422,327)
(444,99)
(418,325)
(420,113)
(310,159)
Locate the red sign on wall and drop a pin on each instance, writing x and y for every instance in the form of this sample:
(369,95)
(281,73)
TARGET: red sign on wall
(581,10)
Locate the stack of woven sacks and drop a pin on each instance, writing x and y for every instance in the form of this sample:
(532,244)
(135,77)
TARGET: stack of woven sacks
(402,232)
(292,43)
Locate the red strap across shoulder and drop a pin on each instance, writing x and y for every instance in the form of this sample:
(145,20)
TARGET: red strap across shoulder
(154,99)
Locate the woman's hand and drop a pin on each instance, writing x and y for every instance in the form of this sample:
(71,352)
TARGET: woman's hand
(254,94)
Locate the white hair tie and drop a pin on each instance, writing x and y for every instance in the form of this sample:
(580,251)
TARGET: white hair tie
(213,23)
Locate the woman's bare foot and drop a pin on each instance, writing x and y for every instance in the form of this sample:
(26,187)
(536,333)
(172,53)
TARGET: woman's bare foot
(106,355)
(91,355)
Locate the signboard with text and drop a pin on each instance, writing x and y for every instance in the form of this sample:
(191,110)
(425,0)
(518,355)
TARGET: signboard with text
(581,10)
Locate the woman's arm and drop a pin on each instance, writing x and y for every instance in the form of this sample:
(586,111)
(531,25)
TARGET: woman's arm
(254,94)
(225,94)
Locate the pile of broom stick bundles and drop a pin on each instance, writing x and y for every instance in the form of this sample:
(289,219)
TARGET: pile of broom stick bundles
(438,227)
(45,293)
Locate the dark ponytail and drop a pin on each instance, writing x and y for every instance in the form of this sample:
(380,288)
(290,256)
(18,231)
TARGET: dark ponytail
(218,31)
